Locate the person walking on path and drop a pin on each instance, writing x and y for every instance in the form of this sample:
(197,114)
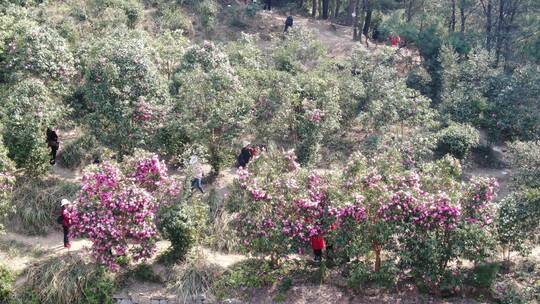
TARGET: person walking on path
(196,182)
(53,143)
(288,23)
(65,220)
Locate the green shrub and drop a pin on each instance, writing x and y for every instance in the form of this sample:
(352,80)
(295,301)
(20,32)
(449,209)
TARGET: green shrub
(207,11)
(361,275)
(37,203)
(6,280)
(127,120)
(299,48)
(173,138)
(174,18)
(31,107)
(524,159)
(509,292)
(513,103)
(133,12)
(457,139)
(176,225)
(7,181)
(252,273)
(144,273)
(78,152)
(66,279)
(517,220)
(483,275)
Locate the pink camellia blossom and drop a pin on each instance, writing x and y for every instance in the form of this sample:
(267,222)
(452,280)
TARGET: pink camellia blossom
(316,115)
(116,208)
(290,156)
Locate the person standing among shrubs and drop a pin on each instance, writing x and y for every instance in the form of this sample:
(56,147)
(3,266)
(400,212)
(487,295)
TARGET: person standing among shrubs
(245,156)
(196,182)
(53,143)
(317,244)
(268,5)
(65,220)
(288,23)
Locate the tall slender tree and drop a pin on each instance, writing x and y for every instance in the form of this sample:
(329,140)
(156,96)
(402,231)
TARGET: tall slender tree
(453,16)
(487,6)
(325,8)
(337,7)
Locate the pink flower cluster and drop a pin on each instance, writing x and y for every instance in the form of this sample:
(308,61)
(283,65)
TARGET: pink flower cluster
(316,115)
(116,210)
(438,214)
(259,194)
(7,182)
(151,172)
(290,156)
(290,207)
(357,213)
(143,111)
(477,202)
(401,207)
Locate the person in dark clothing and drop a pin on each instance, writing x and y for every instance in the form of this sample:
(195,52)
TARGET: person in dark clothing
(197,183)
(65,220)
(288,23)
(268,5)
(244,157)
(52,142)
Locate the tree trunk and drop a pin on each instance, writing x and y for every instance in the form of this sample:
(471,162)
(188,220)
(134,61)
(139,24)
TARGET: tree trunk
(452,26)
(377,251)
(357,32)
(489,24)
(350,10)
(409,10)
(325,6)
(453,17)
(462,15)
(314,8)
(367,22)
(301,4)
(320,8)
(337,7)
(500,25)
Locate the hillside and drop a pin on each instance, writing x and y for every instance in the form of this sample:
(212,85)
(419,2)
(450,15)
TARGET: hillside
(207,156)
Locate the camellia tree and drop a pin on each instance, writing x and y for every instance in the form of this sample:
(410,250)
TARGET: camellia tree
(39,51)
(117,205)
(123,96)
(210,100)
(30,108)
(426,216)
(279,206)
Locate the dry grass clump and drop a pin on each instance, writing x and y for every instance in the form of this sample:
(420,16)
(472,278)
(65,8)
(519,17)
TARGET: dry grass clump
(65,279)
(193,278)
(37,203)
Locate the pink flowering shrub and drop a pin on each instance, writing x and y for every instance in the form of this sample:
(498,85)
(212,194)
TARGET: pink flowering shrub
(362,209)
(117,205)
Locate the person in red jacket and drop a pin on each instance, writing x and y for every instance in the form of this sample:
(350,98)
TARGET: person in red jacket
(317,244)
(65,220)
